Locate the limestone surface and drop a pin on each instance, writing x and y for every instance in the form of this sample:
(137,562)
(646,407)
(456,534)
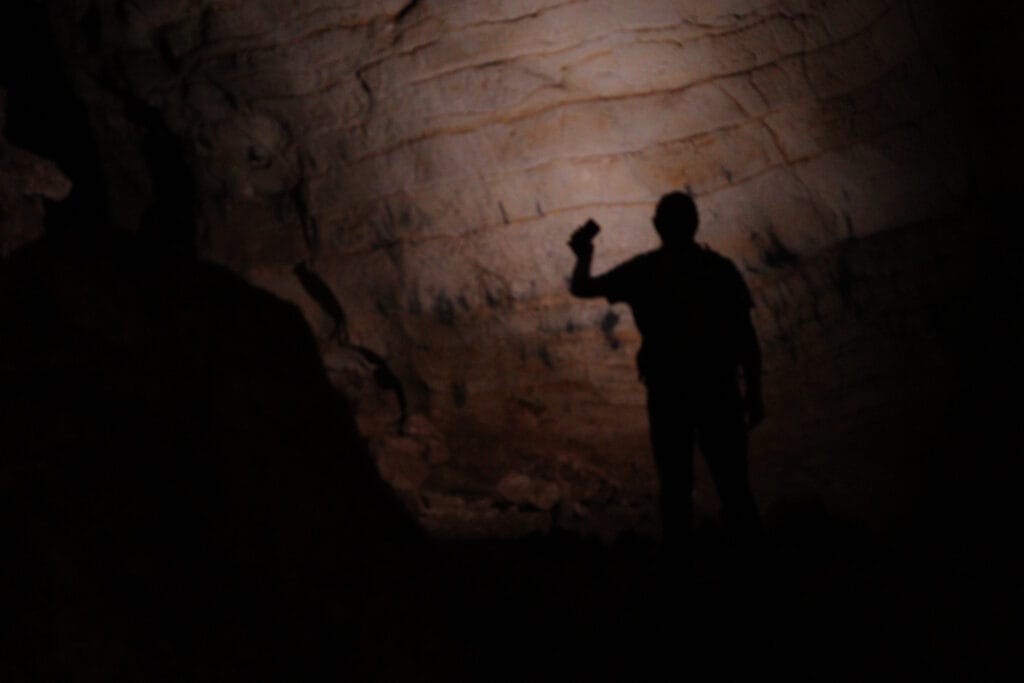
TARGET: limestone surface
(428,161)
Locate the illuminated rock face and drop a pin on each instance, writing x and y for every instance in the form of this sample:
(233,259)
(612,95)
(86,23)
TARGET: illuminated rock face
(429,159)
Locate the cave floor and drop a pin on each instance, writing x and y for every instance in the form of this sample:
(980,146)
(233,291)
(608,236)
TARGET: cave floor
(820,601)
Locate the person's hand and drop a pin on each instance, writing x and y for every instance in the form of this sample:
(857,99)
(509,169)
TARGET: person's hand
(754,409)
(582,240)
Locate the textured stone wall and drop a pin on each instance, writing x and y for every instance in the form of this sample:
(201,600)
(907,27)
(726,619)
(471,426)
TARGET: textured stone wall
(427,160)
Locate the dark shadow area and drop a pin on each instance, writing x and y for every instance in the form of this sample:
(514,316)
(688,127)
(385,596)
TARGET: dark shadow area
(184,496)
(169,221)
(825,602)
(824,598)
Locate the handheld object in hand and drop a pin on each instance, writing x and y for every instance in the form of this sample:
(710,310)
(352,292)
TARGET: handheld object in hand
(589,230)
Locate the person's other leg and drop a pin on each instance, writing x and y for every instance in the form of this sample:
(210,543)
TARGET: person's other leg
(672,437)
(722,437)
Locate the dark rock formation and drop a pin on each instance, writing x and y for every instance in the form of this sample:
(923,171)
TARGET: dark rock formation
(184,495)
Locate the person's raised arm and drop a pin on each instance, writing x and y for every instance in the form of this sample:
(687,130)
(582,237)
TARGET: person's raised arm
(582,244)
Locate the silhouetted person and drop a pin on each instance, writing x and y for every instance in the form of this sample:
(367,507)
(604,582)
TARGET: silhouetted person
(693,311)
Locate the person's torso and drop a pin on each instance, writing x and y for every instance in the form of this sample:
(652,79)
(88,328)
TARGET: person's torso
(688,307)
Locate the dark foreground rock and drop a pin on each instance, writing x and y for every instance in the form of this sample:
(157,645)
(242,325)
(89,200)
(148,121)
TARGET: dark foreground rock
(183,496)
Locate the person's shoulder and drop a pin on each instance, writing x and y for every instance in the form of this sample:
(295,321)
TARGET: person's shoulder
(713,256)
(712,259)
(727,274)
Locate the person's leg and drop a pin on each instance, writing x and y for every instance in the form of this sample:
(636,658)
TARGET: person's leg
(672,437)
(723,442)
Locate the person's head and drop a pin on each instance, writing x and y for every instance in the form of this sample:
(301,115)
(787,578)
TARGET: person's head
(676,219)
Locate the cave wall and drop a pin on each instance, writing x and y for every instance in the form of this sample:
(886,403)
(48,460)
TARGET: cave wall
(428,160)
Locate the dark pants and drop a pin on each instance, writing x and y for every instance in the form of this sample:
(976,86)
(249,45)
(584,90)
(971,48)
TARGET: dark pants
(712,415)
